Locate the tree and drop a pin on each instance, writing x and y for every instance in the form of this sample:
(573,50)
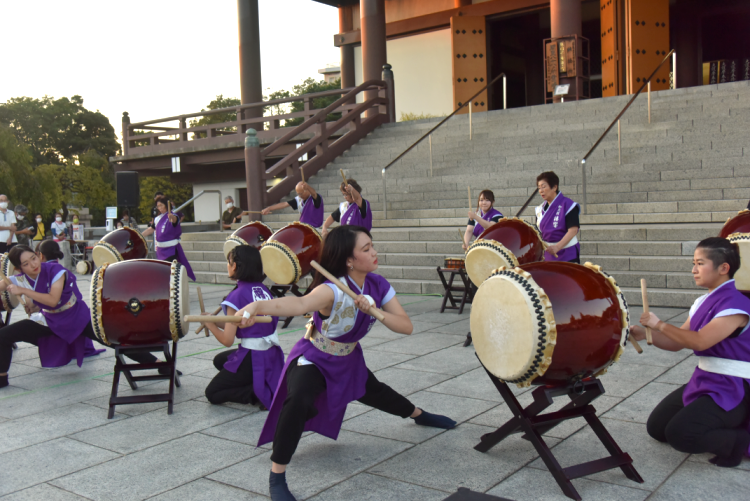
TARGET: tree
(310,86)
(177,192)
(216,104)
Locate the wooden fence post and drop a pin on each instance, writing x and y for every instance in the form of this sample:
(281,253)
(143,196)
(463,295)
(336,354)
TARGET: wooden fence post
(390,92)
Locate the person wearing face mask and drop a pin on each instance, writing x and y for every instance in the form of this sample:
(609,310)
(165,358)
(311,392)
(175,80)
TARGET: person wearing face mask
(231,215)
(7,226)
(353,210)
(484,217)
(558,220)
(39,233)
(128,221)
(28,227)
(59,229)
(308,203)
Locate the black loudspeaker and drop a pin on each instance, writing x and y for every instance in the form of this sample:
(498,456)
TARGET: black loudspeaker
(128,189)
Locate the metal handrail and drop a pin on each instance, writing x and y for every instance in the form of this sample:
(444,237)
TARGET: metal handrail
(202,192)
(646,83)
(407,150)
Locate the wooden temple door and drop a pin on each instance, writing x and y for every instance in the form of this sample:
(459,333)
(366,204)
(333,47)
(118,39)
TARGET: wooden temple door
(647,41)
(469,47)
(610,60)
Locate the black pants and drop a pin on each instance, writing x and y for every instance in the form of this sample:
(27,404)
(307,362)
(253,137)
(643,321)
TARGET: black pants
(28,331)
(304,383)
(229,386)
(700,427)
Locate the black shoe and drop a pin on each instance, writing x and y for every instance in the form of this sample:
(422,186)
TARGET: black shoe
(279,489)
(468,340)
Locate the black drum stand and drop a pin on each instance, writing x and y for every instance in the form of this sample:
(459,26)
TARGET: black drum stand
(125,368)
(533,424)
(280,291)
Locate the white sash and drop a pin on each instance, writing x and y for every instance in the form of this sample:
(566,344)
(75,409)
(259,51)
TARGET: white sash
(725,366)
(260,343)
(168,243)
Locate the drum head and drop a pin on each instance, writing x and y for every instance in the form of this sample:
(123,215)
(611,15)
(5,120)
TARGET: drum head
(513,327)
(742,276)
(9,301)
(231,243)
(83,268)
(484,257)
(280,264)
(104,253)
(179,301)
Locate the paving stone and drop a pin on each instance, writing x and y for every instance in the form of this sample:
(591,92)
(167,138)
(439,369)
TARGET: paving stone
(419,344)
(203,489)
(474,384)
(26,403)
(693,481)
(245,430)
(42,492)
(407,382)
(367,487)
(653,356)
(157,470)
(19,369)
(639,406)
(39,463)
(536,485)
(60,375)
(622,380)
(680,374)
(653,460)
(449,461)
(378,360)
(157,427)
(454,360)
(318,463)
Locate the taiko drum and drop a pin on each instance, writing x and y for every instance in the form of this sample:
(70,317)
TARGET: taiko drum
(254,234)
(122,244)
(737,231)
(288,253)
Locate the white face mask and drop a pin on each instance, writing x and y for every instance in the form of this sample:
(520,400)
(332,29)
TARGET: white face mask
(228,205)
(3,205)
(58,219)
(19,217)
(39,220)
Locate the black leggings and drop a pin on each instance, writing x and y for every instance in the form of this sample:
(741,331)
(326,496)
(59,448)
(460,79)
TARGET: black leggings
(700,427)
(304,383)
(28,331)
(229,386)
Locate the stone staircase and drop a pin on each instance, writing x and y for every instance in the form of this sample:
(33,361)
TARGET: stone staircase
(681,177)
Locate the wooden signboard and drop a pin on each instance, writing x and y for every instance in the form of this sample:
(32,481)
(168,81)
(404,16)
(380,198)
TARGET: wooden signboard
(553,69)
(469,46)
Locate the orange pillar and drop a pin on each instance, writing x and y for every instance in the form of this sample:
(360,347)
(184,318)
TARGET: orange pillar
(565,18)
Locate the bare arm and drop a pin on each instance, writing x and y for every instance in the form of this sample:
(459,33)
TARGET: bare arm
(51,299)
(312,191)
(396,319)
(226,335)
(356,196)
(484,224)
(714,332)
(555,248)
(147,232)
(327,224)
(467,236)
(660,339)
(320,299)
(271,208)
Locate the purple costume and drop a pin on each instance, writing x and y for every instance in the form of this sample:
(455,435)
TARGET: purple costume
(168,242)
(478,230)
(345,375)
(67,325)
(267,356)
(309,214)
(726,391)
(551,223)
(352,215)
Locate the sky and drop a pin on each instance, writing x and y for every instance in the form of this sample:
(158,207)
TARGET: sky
(155,58)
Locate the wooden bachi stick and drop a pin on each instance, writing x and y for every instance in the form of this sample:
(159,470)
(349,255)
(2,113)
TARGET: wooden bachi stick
(346,183)
(375,312)
(635,344)
(208,332)
(302,173)
(644,296)
(224,319)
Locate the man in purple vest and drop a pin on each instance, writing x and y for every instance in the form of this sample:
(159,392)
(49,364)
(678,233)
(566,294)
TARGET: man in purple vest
(308,203)
(558,220)
(355,210)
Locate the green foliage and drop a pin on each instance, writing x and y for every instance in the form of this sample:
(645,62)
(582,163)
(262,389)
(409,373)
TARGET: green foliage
(310,86)
(178,193)
(216,104)
(407,117)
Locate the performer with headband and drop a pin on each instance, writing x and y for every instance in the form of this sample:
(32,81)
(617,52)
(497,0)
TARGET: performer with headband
(168,231)
(710,413)
(354,210)
(250,373)
(485,217)
(326,369)
(308,203)
(558,220)
(54,291)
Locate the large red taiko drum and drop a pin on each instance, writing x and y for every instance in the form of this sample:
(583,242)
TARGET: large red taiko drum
(549,323)
(141,301)
(288,253)
(121,244)
(737,231)
(9,301)
(509,242)
(254,233)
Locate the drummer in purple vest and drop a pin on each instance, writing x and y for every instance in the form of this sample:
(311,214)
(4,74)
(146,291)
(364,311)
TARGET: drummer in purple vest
(710,413)
(558,219)
(168,231)
(326,369)
(354,210)
(485,217)
(308,203)
(53,290)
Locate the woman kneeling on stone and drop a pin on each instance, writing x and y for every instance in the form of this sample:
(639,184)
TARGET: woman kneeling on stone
(709,414)
(326,369)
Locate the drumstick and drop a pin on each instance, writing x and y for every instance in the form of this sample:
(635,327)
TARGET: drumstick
(635,344)
(375,312)
(208,332)
(343,177)
(223,319)
(203,308)
(302,173)
(644,295)
(470,204)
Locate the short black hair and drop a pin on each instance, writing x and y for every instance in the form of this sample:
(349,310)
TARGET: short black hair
(158,194)
(249,265)
(15,254)
(50,250)
(354,183)
(551,178)
(338,246)
(719,251)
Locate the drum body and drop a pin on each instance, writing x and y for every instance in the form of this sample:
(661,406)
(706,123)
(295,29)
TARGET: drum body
(9,301)
(549,323)
(122,244)
(455,263)
(509,242)
(737,231)
(141,301)
(85,267)
(288,253)
(254,233)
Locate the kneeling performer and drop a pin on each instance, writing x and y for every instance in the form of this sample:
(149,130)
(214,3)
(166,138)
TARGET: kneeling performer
(326,369)
(710,413)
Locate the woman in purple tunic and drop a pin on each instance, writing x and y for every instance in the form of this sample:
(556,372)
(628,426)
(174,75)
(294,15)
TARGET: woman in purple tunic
(308,203)
(68,321)
(710,413)
(168,231)
(249,374)
(354,210)
(326,369)
(558,220)
(485,217)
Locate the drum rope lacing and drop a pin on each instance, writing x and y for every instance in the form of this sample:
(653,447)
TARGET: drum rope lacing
(6,300)
(291,255)
(96,304)
(175,315)
(111,248)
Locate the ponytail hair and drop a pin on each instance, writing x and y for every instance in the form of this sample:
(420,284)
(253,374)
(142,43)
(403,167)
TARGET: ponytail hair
(338,246)
(50,250)
(719,251)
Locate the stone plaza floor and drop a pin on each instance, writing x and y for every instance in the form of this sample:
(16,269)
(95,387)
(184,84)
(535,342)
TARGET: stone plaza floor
(56,442)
